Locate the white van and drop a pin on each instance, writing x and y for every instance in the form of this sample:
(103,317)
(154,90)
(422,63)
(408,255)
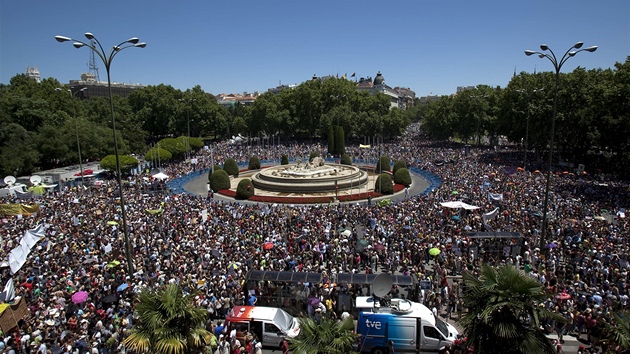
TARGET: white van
(411,325)
(271,325)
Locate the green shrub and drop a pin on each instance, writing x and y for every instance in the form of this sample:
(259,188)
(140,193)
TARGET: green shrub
(398,164)
(245,189)
(216,168)
(254,163)
(285,160)
(403,177)
(314,154)
(231,167)
(383,161)
(176,146)
(384,184)
(219,181)
(157,153)
(346,160)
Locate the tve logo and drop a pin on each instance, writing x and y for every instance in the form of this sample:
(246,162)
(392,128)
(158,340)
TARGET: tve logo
(372,324)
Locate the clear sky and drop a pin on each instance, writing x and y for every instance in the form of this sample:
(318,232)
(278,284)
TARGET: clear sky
(235,46)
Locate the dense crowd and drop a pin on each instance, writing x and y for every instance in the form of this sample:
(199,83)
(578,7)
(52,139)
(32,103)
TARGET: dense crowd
(207,246)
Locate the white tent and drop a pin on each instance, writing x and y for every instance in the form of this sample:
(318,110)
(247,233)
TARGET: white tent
(459,204)
(161,176)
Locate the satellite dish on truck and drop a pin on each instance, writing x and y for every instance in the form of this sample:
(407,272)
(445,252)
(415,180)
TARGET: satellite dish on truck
(36,180)
(9,180)
(382,285)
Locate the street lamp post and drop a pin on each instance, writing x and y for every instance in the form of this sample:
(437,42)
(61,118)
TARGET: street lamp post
(76,127)
(527,95)
(189,101)
(557,65)
(107,58)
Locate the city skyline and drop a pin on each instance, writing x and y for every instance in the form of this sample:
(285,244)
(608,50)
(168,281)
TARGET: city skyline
(431,48)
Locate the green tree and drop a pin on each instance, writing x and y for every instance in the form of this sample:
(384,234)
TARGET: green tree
(331,139)
(168,323)
(126,163)
(245,189)
(220,180)
(340,141)
(403,177)
(157,153)
(618,332)
(326,337)
(254,163)
(230,167)
(18,154)
(503,313)
(284,160)
(383,184)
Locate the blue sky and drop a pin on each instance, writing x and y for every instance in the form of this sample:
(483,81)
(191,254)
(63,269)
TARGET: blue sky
(235,46)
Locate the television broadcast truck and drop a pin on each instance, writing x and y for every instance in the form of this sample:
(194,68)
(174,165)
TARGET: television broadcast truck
(410,325)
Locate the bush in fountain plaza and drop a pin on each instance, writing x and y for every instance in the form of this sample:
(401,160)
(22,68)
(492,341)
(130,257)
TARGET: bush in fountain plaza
(383,161)
(254,163)
(398,165)
(245,189)
(313,155)
(403,177)
(231,167)
(219,180)
(346,160)
(284,160)
(384,182)
(216,168)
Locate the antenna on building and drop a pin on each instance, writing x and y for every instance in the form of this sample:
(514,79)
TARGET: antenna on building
(92,67)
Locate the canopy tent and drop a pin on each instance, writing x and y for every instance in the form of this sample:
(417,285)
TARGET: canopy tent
(458,205)
(161,176)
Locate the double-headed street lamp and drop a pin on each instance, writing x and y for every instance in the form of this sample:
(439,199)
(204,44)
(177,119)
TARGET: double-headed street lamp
(76,126)
(527,95)
(557,65)
(107,58)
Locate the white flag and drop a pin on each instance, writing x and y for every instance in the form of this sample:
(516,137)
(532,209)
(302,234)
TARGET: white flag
(8,294)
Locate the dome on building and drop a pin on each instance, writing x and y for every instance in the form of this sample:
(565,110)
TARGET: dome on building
(379,79)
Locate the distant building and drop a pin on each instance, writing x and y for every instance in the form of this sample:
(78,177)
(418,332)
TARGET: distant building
(99,88)
(464,88)
(228,100)
(428,99)
(399,97)
(33,73)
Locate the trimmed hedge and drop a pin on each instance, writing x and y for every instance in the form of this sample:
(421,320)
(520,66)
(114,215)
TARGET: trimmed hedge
(219,180)
(216,168)
(382,161)
(340,141)
(397,165)
(313,155)
(284,160)
(231,167)
(346,160)
(384,184)
(331,139)
(403,177)
(245,189)
(254,163)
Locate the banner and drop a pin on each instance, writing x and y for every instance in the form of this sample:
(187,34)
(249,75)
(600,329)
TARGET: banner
(491,215)
(495,197)
(18,255)
(18,209)
(361,146)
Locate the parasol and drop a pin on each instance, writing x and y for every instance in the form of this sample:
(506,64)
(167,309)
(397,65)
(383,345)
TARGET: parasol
(552,245)
(563,296)
(346,233)
(79,297)
(122,287)
(267,246)
(434,251)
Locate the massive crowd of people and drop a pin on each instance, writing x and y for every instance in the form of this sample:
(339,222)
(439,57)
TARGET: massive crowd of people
(207,246)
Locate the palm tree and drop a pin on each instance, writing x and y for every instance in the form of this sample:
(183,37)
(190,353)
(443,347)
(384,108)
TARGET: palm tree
(504,313)
(326,337)
(168,323)
(619,332)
